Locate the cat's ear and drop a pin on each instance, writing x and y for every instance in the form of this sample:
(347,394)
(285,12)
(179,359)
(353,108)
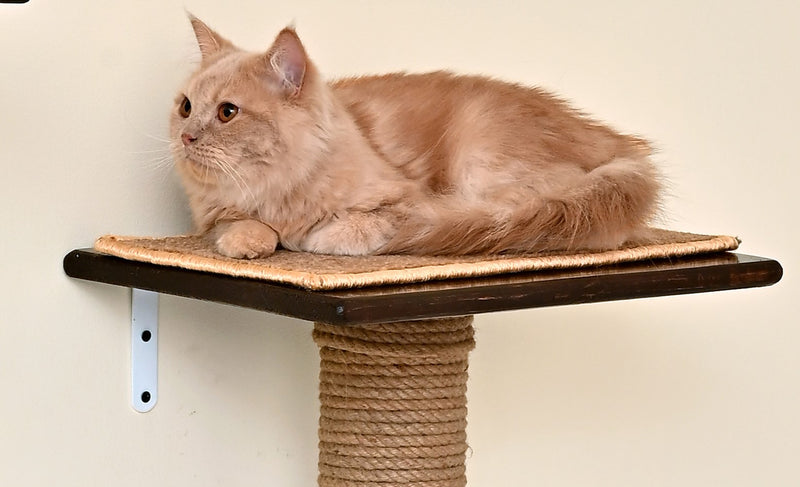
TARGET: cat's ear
(288,61)
(209,41)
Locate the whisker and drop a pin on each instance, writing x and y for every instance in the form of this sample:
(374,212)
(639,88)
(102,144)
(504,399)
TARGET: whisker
(153,151)
(236,176)
(145,134)
(156,138)
(246,186)
(162,167)
(239,180)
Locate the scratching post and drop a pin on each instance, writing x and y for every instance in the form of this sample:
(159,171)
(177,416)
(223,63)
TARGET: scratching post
(393,403)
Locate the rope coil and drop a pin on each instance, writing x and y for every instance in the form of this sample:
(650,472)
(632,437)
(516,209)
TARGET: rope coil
(393,403)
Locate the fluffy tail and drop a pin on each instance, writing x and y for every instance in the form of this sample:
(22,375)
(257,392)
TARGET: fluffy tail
(608,206)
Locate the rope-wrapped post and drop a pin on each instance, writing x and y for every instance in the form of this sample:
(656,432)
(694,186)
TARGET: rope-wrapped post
(393,403)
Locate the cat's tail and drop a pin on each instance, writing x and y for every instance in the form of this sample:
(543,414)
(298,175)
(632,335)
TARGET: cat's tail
(610,205)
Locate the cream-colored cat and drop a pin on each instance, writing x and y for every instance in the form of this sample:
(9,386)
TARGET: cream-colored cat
(270,153)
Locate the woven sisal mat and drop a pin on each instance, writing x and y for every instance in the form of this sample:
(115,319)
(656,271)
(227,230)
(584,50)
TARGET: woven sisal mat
(324,272)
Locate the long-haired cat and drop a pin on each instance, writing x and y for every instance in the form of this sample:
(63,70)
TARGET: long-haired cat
(270,153)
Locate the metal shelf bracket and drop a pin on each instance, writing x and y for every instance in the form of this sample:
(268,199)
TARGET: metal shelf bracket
(144,349)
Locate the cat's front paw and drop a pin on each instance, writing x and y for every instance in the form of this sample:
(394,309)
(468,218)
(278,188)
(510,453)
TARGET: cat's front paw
(244,239)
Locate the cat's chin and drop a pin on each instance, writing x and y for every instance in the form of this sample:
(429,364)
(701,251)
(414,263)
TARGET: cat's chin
(198,172)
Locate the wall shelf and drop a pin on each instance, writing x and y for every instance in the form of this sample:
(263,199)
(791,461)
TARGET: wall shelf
(705,273)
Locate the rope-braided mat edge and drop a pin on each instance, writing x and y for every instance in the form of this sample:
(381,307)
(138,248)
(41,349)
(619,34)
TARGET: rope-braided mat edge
(317,272)
(393,403)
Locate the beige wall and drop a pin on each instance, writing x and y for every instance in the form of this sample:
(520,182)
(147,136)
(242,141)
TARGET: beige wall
(691,391)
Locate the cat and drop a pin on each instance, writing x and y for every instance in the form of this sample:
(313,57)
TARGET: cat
(270,154)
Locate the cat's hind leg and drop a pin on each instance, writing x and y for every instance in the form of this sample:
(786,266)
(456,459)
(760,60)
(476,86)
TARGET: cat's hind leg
(351,233)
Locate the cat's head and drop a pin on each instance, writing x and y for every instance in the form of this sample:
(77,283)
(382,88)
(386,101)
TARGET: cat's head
(241,112)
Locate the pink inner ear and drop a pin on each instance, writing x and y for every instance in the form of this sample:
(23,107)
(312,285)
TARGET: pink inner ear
(289,60)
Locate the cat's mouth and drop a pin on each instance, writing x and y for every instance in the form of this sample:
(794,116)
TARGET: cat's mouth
(191,157)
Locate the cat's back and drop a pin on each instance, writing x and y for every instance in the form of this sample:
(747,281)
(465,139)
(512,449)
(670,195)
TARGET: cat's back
(436,92)
(408,115)
(438,114)
(403,83)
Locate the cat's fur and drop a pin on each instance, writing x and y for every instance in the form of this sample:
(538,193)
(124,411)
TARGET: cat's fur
(401,163)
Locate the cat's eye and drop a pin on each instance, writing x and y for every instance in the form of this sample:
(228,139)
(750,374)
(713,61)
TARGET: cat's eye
(226,112)
(185,108)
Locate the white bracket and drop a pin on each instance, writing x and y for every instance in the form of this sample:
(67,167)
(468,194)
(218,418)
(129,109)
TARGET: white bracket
(144,349)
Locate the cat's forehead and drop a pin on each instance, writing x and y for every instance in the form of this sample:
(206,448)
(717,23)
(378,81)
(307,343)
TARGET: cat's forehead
(226,74)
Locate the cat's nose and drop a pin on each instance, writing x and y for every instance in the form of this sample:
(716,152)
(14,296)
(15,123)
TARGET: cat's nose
(187,138)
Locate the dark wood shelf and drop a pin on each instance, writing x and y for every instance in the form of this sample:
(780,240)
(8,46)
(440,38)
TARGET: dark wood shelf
(716,272)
